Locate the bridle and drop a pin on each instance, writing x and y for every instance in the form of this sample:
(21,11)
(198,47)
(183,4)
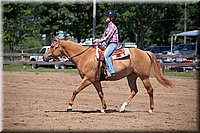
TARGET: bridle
(63,52)
(56,46)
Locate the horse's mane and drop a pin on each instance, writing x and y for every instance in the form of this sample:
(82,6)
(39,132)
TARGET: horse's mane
(74,43)
(70,41)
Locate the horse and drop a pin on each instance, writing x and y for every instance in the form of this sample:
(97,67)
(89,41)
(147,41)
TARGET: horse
(137,65)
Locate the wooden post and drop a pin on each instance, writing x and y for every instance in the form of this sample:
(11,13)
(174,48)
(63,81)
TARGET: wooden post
(94,19)
(62,67)
(22,59)
(22,55)
(185,22)
(162,67)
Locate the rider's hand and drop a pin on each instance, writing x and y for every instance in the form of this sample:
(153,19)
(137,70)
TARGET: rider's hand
(96,42)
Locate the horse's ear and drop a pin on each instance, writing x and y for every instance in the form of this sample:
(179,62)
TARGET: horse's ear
(55,38)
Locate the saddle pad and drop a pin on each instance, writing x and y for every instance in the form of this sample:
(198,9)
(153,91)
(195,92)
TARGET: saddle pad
(118,54)
(121,54)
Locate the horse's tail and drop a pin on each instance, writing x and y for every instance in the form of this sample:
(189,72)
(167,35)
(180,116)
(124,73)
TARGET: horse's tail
(156,69)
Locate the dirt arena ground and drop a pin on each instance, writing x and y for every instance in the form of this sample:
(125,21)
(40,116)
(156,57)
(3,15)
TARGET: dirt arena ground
(36,102)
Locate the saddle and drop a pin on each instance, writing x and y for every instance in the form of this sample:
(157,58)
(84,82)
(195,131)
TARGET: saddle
(119,53)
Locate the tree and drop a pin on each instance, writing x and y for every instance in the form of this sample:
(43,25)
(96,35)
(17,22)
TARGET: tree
(131,22)
(145,24)
(48,19)
(18,24)
(79,22)
(74,19)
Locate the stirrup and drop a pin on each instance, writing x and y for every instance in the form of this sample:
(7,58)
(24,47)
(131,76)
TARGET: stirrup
(109,75)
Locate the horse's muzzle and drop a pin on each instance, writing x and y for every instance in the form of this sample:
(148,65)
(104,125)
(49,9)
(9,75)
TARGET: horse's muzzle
(46,59)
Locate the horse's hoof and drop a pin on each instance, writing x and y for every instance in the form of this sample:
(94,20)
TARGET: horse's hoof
(150,111)
(123,107)
(68,110)
(103,111)
(122,110)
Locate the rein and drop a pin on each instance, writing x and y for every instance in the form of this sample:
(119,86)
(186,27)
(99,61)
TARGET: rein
(78,53)
(70,57)
(62,51)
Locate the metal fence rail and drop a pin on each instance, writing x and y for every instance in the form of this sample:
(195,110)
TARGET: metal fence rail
(68,63)
(23,60)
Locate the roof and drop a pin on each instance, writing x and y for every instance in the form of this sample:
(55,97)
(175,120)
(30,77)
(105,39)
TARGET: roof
(188,33)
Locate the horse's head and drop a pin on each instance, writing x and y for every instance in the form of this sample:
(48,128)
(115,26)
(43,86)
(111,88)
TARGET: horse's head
(54,51)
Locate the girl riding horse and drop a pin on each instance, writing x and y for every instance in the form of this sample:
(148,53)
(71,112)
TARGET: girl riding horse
(110,37)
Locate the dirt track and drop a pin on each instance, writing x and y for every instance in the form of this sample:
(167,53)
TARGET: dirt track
(27,95)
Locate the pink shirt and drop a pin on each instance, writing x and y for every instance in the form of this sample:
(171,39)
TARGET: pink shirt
(110,33)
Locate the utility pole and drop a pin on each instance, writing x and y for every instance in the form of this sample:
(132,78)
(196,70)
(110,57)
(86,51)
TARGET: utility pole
(94,20)
(185,22)
(198,37)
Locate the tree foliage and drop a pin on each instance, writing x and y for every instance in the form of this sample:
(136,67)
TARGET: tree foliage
(18,24)
(144,24)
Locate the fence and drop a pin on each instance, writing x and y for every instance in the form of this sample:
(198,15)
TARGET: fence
(22,59)
(193,62)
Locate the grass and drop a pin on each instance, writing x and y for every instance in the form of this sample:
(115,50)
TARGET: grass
(182,74)
(20,68)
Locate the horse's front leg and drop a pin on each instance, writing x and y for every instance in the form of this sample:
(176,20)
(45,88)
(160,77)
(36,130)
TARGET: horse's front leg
(85,82)
(98,87)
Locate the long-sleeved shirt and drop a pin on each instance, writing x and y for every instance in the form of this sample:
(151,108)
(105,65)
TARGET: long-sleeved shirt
(110,33)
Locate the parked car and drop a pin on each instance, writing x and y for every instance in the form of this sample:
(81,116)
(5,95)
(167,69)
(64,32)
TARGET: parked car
(188,49)
(129,45)
(175,49)
(183,49)
(39,58)
(157,49)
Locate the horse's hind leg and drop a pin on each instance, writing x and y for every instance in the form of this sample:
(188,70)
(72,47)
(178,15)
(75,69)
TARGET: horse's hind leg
(85,82)
(98,87)
(132,84)
(149,89)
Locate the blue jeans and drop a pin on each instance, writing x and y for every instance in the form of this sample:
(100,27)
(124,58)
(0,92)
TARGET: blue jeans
(109,50)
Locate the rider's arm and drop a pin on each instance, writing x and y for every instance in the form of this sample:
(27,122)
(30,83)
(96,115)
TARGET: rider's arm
(108,33)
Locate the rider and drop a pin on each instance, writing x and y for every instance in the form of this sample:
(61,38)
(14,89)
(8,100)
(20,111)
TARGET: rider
(110,37)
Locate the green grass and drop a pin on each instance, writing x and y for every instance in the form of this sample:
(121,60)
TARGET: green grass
(189,74)
(182,74)
(20,68)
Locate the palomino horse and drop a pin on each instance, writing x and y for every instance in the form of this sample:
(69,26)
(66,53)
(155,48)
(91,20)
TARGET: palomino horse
(138,64)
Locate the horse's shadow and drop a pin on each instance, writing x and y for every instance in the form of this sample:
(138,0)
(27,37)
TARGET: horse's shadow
(86,111)
(96,111)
